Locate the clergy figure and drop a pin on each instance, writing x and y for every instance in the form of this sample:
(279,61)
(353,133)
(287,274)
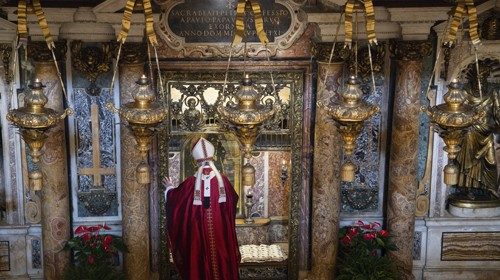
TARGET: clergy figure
(201,221)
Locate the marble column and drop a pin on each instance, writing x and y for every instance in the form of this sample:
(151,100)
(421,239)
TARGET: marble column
(135,197)
(54,166)
(326,182)
(403,161)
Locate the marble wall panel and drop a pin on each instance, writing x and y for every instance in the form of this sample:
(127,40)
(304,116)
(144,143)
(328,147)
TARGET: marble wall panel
(174,167)
(471,246)
(252,235)
(260,190)
(278,232)
(279,193)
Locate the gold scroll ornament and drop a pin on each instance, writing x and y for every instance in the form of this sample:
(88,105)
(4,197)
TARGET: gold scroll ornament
(127,20)
(239,33)
(370,21)
(458,12)
(22,22)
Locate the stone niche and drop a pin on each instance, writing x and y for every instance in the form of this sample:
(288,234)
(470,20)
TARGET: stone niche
(460,244)
(277,156)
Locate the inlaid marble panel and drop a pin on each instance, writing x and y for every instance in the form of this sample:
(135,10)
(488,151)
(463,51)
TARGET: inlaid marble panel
(259,162)
(84,148)
(362,195)
(279,191)
(174,167)
(252,235)
(278,232)
(470,246)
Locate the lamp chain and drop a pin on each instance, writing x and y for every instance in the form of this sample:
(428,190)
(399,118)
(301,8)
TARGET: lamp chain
(438,54)
(115,67)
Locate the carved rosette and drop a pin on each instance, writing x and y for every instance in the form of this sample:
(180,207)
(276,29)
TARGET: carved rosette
(91,61)
(410,50)
(322,52)
(39,52)
(133,53)
(5,52)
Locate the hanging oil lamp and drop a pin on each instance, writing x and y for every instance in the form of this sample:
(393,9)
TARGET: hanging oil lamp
(350,112)
(33,120)
(246,118)
(452,120)
(142,116)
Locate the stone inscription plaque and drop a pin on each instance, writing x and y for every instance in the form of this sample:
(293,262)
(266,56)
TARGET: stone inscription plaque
(212,21)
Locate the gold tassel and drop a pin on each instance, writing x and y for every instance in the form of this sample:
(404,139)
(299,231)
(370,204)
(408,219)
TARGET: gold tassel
(35,180)
(458,13)
(148,15)
(142,174)
(42,22)
(239,32)
(347,172)
(22,20)
(126,21)
(370,22)
(248,175)
(450,174)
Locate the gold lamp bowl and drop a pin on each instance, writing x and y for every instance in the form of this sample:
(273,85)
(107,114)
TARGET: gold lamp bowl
(143,111)
(452,119)
(142,115)
(33,119)
(34,115)
(454,113)
(247,115)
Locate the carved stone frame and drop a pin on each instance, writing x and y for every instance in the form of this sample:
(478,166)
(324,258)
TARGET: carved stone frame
(177,43)
(298,227)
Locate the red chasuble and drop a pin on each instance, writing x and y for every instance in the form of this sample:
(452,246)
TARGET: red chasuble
(203,240)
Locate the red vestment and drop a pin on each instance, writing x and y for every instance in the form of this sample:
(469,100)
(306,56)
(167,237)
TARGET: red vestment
(203,240)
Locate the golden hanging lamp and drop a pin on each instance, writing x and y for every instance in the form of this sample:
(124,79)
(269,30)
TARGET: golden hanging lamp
(33,120)
(142,116)
(350,112)
(452,120)
(247,115)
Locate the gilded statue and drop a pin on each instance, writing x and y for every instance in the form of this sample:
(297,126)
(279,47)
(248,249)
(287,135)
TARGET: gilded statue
(478,178)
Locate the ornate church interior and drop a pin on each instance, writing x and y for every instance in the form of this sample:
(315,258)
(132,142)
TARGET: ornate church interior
(361,137)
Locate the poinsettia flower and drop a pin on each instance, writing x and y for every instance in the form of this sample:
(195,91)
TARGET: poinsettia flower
(86,237)
(352,231)
(90,259)
(94,228)
(106,227)
(369,236)
(376,224)
(81,229)
(107,240)
(359,223)
(346,240)
(383,233)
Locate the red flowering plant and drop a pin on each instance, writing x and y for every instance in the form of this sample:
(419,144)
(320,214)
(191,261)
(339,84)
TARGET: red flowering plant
(362,253)
(95,253)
